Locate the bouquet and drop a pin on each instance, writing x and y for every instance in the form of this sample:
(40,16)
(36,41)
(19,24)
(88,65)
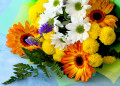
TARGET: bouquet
(69,37)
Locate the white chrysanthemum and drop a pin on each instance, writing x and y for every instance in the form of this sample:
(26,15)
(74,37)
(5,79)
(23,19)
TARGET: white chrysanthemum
(57,24)
(59,40)
(78,30)
(54,6)
(45,17)
(77,8)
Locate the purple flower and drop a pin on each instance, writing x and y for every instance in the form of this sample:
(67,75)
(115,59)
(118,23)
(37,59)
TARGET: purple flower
(45,28)
(31,41)
(64,3)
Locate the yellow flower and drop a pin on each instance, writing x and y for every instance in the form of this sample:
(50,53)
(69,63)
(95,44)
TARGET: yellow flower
(48,35)
(107,36)
(47,47)
(33,14)
(36,24)
(90,46)
(40,4)
(59,54)
(36,10)
(95,60)
(94,31)
(109,59)
(57,57)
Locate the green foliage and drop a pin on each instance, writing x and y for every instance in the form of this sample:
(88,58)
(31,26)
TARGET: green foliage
(22,71)
(44,62)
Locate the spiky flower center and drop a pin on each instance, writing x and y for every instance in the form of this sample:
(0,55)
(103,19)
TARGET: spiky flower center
(78,6)
(80,29)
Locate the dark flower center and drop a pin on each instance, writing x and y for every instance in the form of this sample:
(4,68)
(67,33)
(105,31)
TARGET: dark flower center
(79,60)
(97,16)
(24,37)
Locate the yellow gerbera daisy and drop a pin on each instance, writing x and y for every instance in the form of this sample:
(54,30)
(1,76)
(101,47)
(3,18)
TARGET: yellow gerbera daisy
(76,63)
(98,13)
(18,34)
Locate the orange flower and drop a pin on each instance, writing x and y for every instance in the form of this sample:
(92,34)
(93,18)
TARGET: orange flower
(18,34)
(98,13)
(76,63)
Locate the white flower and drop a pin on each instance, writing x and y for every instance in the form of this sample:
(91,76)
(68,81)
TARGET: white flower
(54,6)
(45,17)
(59,40)
(78,30)
(77,8)
(57,24)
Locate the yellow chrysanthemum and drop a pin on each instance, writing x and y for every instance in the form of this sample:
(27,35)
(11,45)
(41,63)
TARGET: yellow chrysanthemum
(109,59)
(95,60)
(36,10)
(59,54)
(40,4)
(94,31)
(57,57)
(33,14)
(90,46)
(107,36)
(48,35)
(36,24)
(48,48)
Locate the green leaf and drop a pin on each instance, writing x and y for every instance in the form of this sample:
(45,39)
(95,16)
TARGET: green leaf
(22,71)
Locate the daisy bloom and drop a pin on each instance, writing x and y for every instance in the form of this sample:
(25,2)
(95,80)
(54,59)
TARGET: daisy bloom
(59,40)
(17,36)
(45,17)
(76,63)
(77,8)
(78,30)
(54,6)
(98,13)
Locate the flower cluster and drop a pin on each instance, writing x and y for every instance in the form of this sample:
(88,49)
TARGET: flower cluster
(75,33)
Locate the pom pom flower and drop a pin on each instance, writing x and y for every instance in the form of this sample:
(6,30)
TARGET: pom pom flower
(107,36)
(95,60)
(90,46)
(109,59)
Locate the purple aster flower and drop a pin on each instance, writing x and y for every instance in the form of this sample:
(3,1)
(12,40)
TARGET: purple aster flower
(64,3)
(31,41)
(45,28)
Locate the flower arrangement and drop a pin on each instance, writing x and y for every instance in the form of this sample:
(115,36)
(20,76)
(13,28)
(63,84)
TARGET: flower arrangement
(69,37)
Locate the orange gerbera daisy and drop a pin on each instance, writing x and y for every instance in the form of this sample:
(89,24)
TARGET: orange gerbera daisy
(76,63)
(18,34)
(97,13)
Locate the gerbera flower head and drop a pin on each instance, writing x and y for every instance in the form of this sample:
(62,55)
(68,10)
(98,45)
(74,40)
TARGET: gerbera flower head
(17,36)
(76,63)
(98,13)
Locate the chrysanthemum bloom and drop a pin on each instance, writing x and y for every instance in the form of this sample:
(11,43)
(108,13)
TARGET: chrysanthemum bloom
(18,34)
(76,63)
(98,13)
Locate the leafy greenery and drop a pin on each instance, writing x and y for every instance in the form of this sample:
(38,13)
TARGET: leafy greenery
(44,62)
(22,71)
